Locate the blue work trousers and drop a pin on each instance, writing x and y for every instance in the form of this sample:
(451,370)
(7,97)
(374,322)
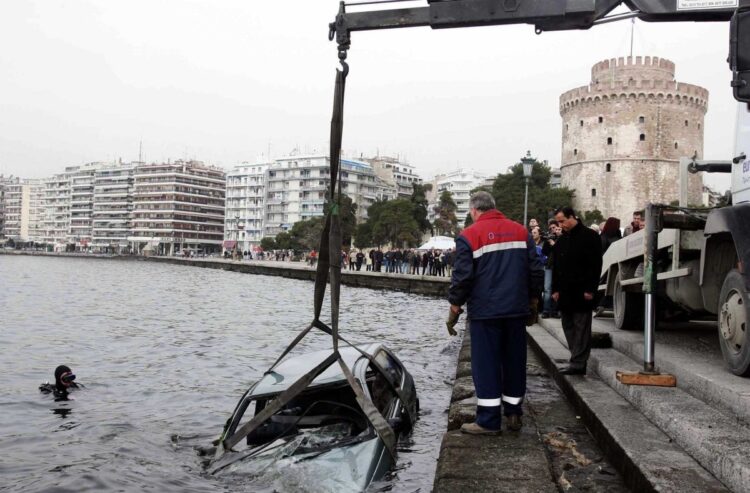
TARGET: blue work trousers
(498,366)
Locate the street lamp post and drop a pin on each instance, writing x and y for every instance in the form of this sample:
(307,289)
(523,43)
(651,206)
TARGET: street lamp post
(528,167)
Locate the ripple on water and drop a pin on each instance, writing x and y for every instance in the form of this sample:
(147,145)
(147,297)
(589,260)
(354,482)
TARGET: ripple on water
(166,351)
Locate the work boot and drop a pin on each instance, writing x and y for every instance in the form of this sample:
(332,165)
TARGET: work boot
(475,429)
(572,370)
(513,422)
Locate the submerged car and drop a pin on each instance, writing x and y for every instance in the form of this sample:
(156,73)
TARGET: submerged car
(322,434)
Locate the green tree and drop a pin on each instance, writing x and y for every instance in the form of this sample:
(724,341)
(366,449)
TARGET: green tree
(446,222)
(284,241)
(592,217)
(268,243)
(348,213)
(508,190)
(305,235)
(420,204)
(468,221)
(363,235)
(394,223)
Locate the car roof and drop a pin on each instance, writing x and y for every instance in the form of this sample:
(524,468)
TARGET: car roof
(291,369)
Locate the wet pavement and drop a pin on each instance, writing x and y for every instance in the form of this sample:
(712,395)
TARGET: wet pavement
(553,452)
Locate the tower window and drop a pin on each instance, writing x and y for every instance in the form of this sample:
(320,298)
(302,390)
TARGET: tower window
(699,126)
(566,126)
(581,122)
(641,119)
(575,152)
(593,192)
(675,145)
(609,167)
(609,141)
(642,138)
(601,119)
(686,123)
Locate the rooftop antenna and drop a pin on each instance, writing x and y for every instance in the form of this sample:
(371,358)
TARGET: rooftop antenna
(632,33)
(140,151)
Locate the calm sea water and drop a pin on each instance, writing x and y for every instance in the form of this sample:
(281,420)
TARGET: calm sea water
(165,352)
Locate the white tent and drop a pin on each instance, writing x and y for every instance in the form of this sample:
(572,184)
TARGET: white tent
(439,243)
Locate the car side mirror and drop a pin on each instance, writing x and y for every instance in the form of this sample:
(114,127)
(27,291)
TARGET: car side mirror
(739,54)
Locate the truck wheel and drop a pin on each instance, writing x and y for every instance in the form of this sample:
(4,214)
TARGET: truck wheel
(628,308)
(733,317)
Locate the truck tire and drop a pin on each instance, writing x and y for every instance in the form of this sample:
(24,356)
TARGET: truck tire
(628,308)
(734,314)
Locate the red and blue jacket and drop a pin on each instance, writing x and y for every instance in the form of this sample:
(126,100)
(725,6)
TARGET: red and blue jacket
(496,270)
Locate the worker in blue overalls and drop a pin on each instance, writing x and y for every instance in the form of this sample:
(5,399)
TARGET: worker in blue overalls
(498,273)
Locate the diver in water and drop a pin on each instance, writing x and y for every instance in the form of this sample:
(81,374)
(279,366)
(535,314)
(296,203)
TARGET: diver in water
(64,383)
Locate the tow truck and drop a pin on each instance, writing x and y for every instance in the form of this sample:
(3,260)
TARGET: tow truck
(690,261)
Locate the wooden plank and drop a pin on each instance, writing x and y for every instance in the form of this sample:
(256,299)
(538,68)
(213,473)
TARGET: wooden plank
(658,380)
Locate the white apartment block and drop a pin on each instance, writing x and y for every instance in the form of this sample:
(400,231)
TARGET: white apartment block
(245,206)
(112,207)
(296,189)
(23,210)
(56,222)
(80,231)
(460,183)
(4,182)
(396,173)
(178,206)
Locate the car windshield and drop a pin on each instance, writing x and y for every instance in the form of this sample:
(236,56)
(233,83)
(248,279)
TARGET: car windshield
(316,420)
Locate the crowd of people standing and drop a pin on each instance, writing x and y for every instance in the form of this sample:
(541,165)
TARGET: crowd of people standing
(401,261)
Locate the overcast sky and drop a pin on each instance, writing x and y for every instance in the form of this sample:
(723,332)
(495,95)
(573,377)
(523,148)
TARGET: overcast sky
(227,81)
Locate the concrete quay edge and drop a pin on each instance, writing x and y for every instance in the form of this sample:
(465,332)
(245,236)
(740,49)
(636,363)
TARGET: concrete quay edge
(648,458)
(716,440)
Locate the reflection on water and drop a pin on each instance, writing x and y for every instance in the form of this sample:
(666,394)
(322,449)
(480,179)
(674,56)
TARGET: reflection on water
(165,352)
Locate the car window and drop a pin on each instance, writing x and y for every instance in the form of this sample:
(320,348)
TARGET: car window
(388,363)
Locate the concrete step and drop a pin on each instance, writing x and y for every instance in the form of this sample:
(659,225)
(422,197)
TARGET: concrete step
(691,353)
(711,434)
(649,458)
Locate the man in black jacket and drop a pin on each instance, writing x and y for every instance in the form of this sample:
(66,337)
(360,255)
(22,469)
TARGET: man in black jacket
(575,279)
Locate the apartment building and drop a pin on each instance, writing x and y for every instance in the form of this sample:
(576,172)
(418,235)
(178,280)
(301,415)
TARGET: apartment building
(460,183)
(56,221)
(296,189)
(80,230)
(112,207)
(396,173)
(245,206)
(23,210)
(4,182)
(177,206)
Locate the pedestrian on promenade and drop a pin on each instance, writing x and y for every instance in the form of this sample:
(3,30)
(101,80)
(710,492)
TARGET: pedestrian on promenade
(575,280)
(449,256)
(497,271)
(610,234)
(549,306)
(533,223)
(358,258)
(636,225)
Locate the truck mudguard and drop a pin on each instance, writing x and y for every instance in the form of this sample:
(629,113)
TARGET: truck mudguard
(734,220)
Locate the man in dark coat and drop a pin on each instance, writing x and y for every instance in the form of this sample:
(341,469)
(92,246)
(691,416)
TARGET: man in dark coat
(575,280)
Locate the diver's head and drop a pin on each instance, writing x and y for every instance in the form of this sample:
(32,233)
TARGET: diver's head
(64,377)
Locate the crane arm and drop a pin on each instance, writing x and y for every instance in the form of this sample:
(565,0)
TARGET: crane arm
(545,15)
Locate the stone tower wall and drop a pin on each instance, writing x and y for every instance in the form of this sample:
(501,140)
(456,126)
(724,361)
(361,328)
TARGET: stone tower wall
(624,133)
